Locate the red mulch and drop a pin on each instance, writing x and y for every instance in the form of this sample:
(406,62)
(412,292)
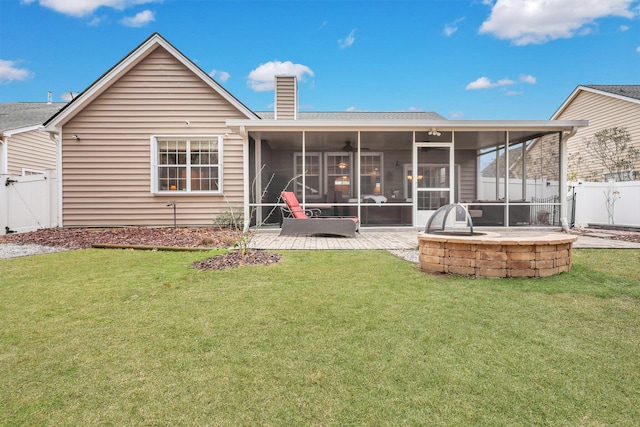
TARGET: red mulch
(626,236)
(238,259)
(79,238)
(211,238)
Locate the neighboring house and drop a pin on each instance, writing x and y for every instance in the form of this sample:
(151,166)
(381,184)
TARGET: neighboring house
(604,106)
(25,147)
(156,130)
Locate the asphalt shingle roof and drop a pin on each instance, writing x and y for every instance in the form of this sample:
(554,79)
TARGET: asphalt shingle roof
(16,115)
(357,115)
(630,91)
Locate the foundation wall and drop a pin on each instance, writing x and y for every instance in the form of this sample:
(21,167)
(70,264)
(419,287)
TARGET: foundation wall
(493,256)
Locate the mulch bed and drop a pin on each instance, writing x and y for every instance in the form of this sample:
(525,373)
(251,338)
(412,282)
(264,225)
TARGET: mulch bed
(206,238)
(80,238)
(238,259)
(625,236)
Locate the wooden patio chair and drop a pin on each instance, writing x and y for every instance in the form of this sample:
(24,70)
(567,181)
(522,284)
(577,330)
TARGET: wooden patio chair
(308,222)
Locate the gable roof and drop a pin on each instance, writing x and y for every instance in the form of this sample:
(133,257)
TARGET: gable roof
(128,62)
(19,115)
(630,93)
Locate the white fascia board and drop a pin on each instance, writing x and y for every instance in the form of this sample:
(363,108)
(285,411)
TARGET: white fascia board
(567,101)
(12,132)
(440,125)
(88,95)
(579,89)
(611,95)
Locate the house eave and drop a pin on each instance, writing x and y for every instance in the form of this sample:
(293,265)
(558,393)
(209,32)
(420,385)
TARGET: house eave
(11,132)
(579,89)
(396,125)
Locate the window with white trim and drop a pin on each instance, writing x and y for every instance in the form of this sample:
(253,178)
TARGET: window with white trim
(188,165)
(29,172)
(623,175)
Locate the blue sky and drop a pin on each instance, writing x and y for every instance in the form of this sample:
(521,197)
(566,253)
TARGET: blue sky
(464,59)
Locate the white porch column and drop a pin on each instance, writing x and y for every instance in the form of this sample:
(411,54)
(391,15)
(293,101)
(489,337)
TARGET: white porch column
(506,178)
(245,177)
(562,191)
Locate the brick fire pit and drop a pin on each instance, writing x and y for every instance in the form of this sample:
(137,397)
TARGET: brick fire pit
(491,255)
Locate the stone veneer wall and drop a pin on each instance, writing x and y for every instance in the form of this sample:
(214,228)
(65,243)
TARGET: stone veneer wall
(494,256)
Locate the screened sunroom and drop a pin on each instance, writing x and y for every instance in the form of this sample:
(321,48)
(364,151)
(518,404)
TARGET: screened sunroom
(396,169)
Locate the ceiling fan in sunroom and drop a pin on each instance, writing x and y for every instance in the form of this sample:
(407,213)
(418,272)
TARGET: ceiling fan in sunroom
(348,148)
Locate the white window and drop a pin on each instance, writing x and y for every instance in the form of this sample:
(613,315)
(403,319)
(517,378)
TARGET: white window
(186,165)
(624,175)
(312,175)
(28,172)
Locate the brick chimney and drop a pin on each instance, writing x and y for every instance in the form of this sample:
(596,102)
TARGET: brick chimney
(286,102)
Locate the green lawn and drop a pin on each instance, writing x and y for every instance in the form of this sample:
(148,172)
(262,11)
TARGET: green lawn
(108,337)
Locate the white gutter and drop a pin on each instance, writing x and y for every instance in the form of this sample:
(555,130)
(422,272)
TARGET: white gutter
(4,153)
(56,136)
(441,125)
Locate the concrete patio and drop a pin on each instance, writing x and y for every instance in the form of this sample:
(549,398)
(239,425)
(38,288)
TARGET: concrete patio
(407,239)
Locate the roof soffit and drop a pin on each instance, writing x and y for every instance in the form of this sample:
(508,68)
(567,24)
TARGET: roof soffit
(126,64)
(440,125)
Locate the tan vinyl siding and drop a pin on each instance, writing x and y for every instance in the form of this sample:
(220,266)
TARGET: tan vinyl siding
(467,161)
(107,174)
(603,112)
(286,98)
(543,158)
(31,150)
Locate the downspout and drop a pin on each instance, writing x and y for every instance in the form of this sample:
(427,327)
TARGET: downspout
(4,156)
(56,137)
(564,137)
(242,131)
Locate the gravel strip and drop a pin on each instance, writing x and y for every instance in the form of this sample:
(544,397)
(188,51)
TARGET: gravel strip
(408,255)
(11,250)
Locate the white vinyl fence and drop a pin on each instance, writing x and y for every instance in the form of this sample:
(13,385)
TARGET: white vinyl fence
(28,203)
(591,204)
(540,189)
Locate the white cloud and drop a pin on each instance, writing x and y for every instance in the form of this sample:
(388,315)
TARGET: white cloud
(139,20)
(624,28)
(638,49)
(221,76)
(528,79)
(539,21)
(514,92)
(456,114)
(96,20)
(486,83)
(347,41)
(353,109)
(261,79)
(10,72)
(80,8)
(450,29)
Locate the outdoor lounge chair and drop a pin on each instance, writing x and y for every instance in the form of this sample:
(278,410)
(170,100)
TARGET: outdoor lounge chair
(296,220)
